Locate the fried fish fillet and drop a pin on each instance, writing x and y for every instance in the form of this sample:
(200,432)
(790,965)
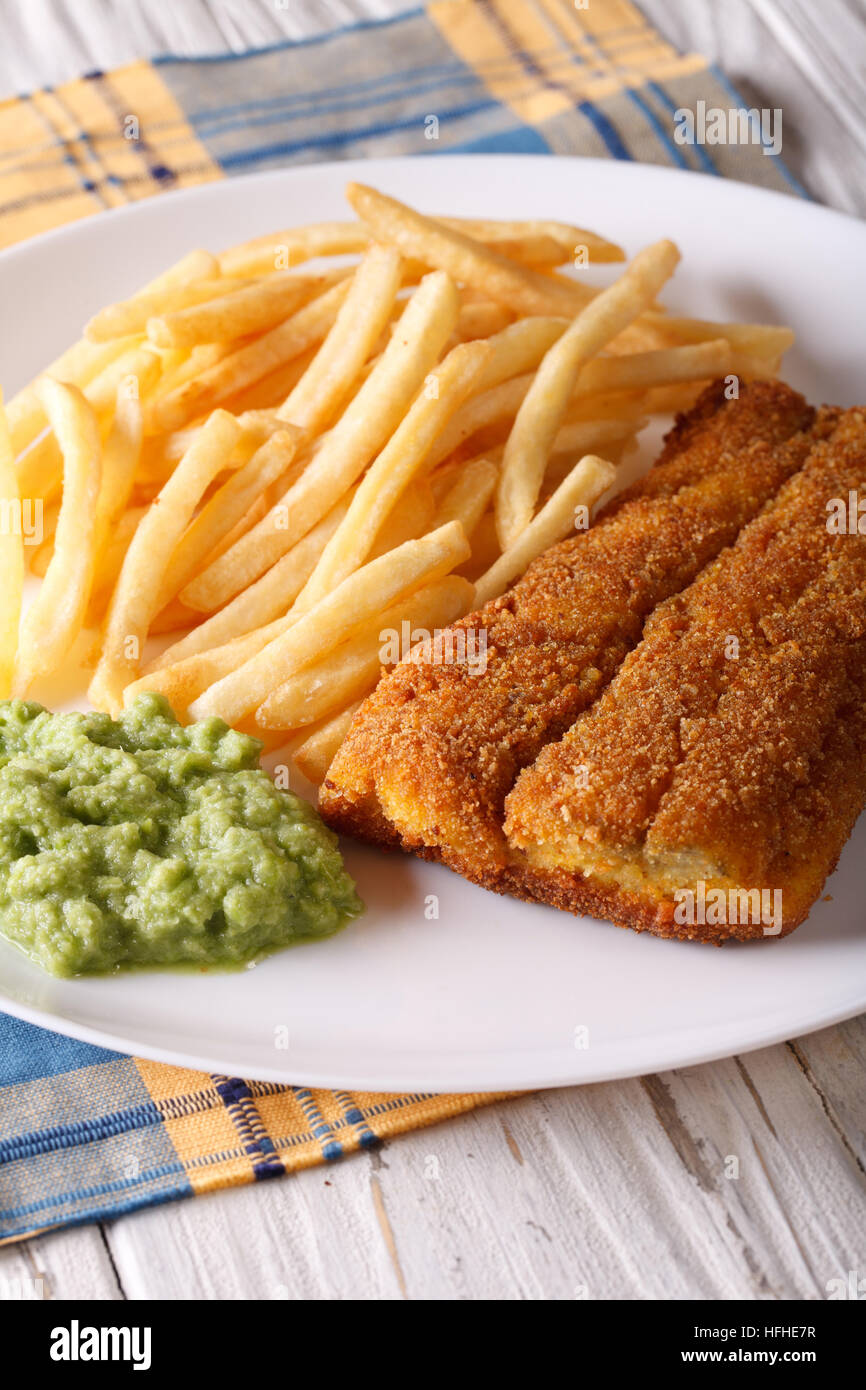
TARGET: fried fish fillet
(710,790)
(434,751)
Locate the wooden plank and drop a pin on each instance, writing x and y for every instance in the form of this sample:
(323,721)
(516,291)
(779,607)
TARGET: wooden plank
(715,1182)
(68,1264)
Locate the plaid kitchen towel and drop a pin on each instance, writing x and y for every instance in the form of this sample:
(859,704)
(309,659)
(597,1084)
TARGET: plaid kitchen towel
(86,1133)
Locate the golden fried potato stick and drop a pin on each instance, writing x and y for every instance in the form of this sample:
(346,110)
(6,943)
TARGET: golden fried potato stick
(543,409)
(11,558)
(538,241)
(316,753)
(362,317)
(290,247)
(519,288)
(582,488)
(135,600)
(56,616)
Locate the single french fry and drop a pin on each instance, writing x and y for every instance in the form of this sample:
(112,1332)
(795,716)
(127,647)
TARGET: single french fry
(532,238)
(11,557)
(366,424)
(638,371)
(280,250)
(239,309)
(228,505)
(466,500)
(321,628)
(317,752)
(362,316)
(582,488)
(249,363)
(120,457)
(352,669)
(56,616)
(544,406)
(761,339)
(393,471)
(109,560)
(480,320)
(135,599)
(519,288)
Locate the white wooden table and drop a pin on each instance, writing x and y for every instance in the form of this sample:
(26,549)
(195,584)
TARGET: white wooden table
(740,1179)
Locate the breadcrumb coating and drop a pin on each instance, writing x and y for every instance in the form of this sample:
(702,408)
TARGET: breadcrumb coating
(730,749)
(434,751)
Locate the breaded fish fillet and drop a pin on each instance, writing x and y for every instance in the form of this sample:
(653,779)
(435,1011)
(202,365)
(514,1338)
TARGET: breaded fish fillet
(434,751)
(710,790)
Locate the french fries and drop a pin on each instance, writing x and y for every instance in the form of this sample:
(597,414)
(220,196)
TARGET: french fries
(394,469)
(136,597)
(362,316)
(518,287)
(581,489)
(56,616)
(352,669)
(366,424)
(543,409)
(335,618)
(236,309)
(249,363)
(316,753)
(275,461)
(11,558)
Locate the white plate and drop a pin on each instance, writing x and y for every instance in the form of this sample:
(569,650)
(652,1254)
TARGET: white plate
(494,994)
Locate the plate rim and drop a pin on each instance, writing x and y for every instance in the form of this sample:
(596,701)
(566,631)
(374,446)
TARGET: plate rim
(620,168)
(660,1056)
(660,1061)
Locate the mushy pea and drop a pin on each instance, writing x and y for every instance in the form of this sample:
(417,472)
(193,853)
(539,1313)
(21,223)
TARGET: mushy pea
(141,842)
